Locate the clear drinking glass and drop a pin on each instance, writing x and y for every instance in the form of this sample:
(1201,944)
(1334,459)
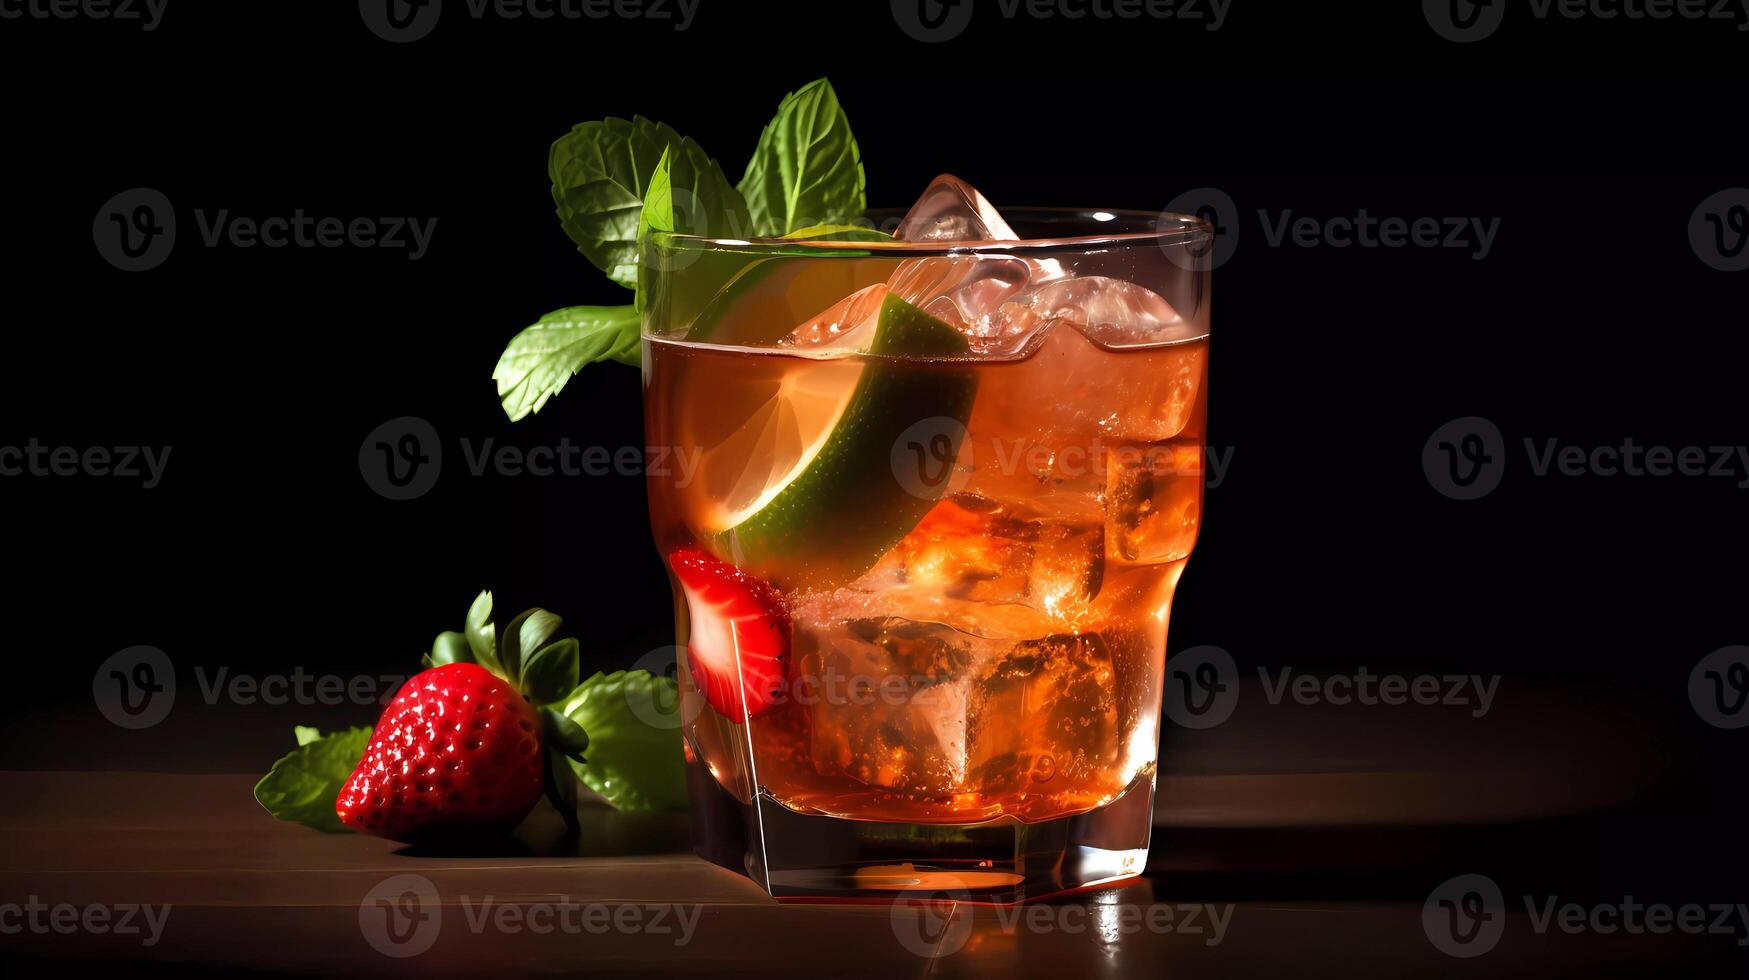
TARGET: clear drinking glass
(947,489)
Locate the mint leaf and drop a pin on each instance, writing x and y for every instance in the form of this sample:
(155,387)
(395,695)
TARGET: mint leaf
(543,357)
(807,169)
(302,787)
(601,172)
(658,212)
(635,762)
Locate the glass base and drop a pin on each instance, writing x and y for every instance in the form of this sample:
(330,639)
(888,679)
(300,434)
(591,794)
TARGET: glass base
(800,858)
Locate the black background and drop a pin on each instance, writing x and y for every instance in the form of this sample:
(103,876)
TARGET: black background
(1592,320)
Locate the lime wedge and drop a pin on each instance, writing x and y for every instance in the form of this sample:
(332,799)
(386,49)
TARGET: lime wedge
(766,298)
(840,233)
(815,500)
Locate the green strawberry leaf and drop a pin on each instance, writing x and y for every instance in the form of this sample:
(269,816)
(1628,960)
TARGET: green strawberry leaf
(482,639)
(302,786)
(635,755)
(551,672)
(601,173)
(543,357)
(450,647)
(807,169)
(529,631)
(561,788)
(563,734)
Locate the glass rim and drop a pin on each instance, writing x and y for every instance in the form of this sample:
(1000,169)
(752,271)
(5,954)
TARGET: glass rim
(1164,229)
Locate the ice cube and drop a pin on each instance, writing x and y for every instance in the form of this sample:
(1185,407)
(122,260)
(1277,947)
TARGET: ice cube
(962,291)
(1111,312)
(889,704)
(1040,424)
(1153,501)
(975,549)
(951,210)
(1044,715)
(971,292)
(847,327)
(920,709)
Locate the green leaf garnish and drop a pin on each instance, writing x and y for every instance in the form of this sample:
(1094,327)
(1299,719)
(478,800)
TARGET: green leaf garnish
(634,764)
(543,357)
(302,786)
(807,169)
(840,233)
(601,173)
(658,213)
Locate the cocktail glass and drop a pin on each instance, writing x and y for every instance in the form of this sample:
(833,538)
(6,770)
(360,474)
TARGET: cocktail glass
(963,471)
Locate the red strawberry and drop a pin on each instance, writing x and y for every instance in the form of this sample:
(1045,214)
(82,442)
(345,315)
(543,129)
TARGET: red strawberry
(458,750)
(738,647)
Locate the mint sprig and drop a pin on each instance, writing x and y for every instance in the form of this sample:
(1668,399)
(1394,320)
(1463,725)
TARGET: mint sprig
(544,357)
(807,170)
(601,174)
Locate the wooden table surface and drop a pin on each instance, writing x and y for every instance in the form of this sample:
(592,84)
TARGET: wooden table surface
(246,893)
